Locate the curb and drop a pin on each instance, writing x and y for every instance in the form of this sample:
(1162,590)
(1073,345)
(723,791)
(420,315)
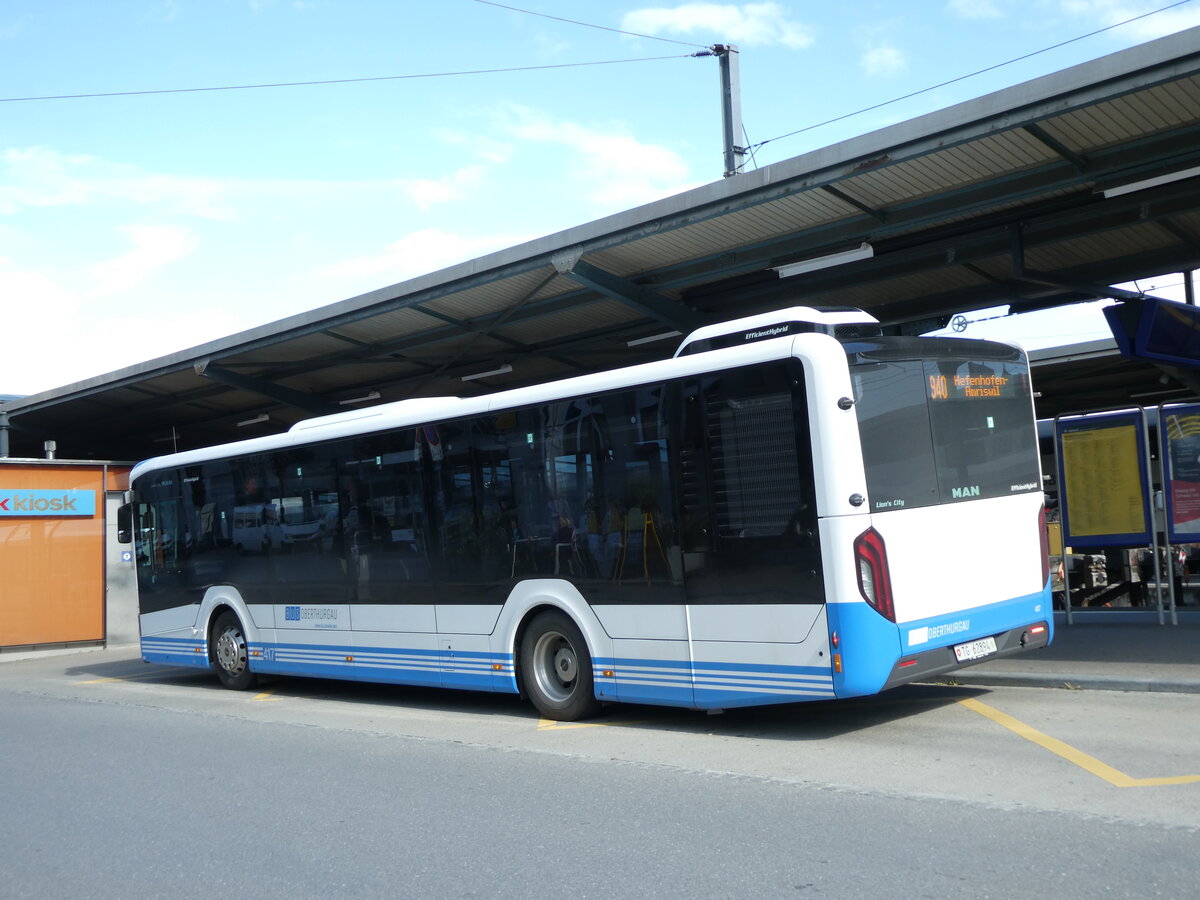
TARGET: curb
(1079,682)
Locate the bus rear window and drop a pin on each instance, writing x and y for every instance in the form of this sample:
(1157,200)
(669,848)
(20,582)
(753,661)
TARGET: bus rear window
(945,427)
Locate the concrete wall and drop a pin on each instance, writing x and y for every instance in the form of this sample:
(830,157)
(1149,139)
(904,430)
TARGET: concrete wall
(120,607)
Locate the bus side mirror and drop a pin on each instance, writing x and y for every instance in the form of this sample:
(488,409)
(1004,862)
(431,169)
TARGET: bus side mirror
(125,524)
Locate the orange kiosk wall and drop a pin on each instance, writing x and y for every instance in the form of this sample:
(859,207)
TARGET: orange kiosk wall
(52,550)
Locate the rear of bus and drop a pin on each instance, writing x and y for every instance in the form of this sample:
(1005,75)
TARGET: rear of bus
(949,560)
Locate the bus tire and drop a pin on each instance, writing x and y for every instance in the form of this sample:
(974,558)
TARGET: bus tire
(556,668)
(230,657)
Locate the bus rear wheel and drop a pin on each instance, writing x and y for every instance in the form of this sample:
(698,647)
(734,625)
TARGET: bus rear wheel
(230,658)
(556,668)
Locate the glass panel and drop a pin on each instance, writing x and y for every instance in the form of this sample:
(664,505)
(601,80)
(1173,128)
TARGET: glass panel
(983,430)
(750,532)
(893,423)
(944,428)
(384,530)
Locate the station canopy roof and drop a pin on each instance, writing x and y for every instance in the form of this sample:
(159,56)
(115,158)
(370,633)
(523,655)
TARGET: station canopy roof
(1038,195)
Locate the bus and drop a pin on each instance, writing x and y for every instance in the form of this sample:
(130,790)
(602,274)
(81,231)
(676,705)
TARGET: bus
(793,507)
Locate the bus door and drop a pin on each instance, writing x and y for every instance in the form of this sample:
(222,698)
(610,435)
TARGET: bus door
(167,596)
(748,513)
(384,536)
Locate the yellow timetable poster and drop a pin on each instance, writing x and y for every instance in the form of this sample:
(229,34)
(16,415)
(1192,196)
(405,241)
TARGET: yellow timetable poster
(1103,481)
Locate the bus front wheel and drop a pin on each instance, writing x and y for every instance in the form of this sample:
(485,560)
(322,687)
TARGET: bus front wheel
(556,668)
(230,658)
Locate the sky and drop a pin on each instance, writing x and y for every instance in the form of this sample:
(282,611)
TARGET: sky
(138,225)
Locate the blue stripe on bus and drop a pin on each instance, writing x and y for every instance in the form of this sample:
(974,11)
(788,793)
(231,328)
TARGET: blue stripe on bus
(709,685)
(704,685)
(470,670)
(871,645)
(169,651)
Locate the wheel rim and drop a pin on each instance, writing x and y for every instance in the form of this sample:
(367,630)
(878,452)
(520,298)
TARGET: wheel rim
(231,651)
(555,666)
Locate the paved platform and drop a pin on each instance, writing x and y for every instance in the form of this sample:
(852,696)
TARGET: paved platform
(1108,656)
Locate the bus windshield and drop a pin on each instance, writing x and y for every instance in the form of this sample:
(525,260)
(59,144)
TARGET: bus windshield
(943,421)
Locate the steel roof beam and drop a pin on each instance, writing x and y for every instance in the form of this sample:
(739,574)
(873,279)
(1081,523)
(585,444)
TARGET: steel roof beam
(645,300)
(913,220)
(307,402)
(876,214)
(986,238)
(1142,264)
(1077,160)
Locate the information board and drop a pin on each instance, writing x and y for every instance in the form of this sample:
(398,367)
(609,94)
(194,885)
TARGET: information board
(1102,478)
(1180,430)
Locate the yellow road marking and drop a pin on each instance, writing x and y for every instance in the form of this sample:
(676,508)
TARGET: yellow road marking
(554,725)
(120,678)
(1069,753)
(266,695)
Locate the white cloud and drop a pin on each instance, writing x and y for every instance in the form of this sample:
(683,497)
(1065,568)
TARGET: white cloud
(482,146)
(90,338)
(615,170)
(430,192)
(418,253)
(883,60)
(974,9)
(747,23)
(30,298)
(154,246)
(1109,12)
(35,177)
(549,46)
(15,28)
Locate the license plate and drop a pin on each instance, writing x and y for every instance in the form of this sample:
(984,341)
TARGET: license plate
(975,649)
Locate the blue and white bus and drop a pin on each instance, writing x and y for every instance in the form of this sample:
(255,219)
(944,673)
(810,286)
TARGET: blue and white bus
(794,507)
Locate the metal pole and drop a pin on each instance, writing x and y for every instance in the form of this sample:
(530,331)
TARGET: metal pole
(1164,465)
(1149,486)
(1066,559)
(1189,288)
(3,434)
(731,107)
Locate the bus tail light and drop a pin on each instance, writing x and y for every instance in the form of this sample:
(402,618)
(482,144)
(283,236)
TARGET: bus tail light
(1045,535)
(874,579)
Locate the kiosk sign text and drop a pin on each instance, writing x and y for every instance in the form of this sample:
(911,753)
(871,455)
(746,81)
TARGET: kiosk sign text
(57,503)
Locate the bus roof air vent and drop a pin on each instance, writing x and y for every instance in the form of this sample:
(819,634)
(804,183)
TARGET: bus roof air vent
(841,322)
(419,408)
(857,331)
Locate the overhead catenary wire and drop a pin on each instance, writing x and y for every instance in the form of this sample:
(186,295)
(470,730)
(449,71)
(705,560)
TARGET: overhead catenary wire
(530,12)
(749,149)
(283,84)
(950,81)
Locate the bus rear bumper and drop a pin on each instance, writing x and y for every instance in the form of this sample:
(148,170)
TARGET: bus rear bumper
(939,660)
